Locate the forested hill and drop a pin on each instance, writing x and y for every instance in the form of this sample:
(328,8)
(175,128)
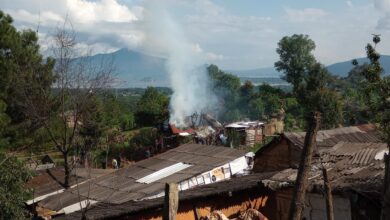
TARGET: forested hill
(136,69)
(342,68)
(339,69)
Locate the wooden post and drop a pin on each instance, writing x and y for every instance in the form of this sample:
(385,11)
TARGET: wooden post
(328,195)
(298,200)
(171,203)
(196,213)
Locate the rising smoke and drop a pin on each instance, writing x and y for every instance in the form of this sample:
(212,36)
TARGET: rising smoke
(187,73)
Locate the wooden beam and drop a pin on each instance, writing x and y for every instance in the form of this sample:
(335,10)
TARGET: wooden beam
(328,195)
(171,203)
(196,213)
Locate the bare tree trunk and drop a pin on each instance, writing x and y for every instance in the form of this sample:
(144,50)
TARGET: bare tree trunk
(298,200)
(328,195)
(171,201)
(385,212)
(67,170)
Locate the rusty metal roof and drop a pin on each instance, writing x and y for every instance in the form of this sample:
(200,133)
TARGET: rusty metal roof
(121,186)
(351,166)
(328,138)
(107,211)
(48,181)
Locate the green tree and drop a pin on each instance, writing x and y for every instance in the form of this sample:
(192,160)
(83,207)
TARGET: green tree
(310,79)
(92,128)
(118,111)
(13,193)
(227,88)
(24,75)
(355,108)
(152,108)
(296,58)
(77,82)
(377,93)
(223,83)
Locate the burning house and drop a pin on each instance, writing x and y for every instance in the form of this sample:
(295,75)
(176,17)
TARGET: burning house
(200,129)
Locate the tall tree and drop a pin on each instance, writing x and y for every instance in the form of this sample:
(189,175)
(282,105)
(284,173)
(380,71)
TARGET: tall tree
(92,128)
(377,96)
(77,81)
(152,108)
(310,79)
(296,58)
(22,70)
(227,88)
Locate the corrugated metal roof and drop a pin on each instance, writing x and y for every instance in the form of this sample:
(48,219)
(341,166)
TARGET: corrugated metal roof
(244,124)
(328,138)
(351,166)
(46,181)
(121,185)
(357,153)
(162,173)
(106,211)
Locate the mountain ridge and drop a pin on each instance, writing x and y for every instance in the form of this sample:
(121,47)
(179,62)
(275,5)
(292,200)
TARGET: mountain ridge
(138,69)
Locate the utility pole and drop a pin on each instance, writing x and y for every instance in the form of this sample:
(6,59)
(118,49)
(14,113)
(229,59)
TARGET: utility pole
(298,200)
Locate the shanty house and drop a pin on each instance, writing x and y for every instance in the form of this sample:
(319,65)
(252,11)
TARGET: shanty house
(231,197)
(48,182)
(249,133)
(353,157)
(355,171)
(188,165)
(285,150)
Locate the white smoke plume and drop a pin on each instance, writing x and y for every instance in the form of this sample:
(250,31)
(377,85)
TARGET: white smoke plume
(187,73)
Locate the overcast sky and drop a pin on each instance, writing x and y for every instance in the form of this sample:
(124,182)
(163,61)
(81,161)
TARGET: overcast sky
(234,34)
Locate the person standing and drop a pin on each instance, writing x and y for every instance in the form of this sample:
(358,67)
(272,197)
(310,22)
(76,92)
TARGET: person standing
(114,164)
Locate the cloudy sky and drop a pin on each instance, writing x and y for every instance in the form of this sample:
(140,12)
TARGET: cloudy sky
(234,34)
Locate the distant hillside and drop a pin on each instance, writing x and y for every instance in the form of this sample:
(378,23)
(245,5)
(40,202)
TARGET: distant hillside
(339,69)
(268,72)
(135,69)
(342,68)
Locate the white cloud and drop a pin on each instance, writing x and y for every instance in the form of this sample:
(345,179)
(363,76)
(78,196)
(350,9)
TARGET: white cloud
(209,56)
(305,15)
(105,10)
(103,24)
(45,18)
(225,36)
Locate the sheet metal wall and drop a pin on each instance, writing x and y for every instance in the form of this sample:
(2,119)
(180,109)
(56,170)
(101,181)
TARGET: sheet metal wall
(231,206)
